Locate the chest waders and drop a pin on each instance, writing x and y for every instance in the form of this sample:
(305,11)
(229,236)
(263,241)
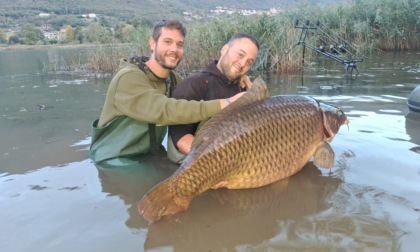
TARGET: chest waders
(170,84)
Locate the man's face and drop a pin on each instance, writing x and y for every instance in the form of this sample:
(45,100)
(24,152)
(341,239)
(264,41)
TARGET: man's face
(236,59)
(169,49)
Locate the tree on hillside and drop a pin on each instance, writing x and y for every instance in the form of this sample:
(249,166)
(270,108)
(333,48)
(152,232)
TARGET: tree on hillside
(95,33)
(31,35)
(3,36)
(104,22)
(78,34)
(14,40)
(126,32)
(69,34)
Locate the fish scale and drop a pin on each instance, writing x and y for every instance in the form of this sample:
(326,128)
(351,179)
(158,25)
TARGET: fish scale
(263,138)
(266,142)
(255,142)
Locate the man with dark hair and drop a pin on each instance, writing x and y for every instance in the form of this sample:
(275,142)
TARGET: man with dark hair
(221,79)
(137,106)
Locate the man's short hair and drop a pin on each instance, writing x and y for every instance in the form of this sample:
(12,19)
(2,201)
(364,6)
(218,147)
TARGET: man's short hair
(247,36)
(172,24)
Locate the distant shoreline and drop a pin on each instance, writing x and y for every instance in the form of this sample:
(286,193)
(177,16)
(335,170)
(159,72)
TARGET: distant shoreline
(40,47)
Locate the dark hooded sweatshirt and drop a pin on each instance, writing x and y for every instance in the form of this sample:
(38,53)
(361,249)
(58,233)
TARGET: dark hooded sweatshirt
(207,84)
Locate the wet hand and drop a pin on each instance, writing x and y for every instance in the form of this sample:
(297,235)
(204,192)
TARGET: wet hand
(245,82)
(184,143)
(225,102)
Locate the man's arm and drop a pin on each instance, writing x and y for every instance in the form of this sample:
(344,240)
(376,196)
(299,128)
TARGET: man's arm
(137,97)
(184,144)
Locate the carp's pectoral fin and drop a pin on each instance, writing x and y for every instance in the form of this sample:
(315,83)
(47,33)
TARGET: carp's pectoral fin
(324,156)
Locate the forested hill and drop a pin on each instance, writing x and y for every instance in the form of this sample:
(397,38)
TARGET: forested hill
(14,12)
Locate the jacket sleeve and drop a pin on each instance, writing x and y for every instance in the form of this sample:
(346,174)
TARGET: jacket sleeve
(144,100)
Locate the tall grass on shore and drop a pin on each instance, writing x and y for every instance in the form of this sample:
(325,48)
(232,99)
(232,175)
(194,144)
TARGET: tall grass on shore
(369,25)
(376,24)
(205,40)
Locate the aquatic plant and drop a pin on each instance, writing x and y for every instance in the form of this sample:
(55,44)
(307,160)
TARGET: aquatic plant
(369,25)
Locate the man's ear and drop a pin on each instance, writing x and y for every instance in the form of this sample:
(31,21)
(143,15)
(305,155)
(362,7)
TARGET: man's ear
(224,49)
(152,44)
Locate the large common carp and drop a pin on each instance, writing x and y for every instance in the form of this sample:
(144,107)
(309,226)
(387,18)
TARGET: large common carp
(255,141)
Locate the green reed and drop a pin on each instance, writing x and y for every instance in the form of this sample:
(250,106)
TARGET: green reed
(369,25)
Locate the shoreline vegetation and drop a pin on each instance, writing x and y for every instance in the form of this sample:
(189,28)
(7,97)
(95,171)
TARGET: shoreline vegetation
(367,25)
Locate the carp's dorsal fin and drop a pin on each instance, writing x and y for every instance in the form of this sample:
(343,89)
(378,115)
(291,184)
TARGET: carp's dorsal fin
(324,156)
(258,91)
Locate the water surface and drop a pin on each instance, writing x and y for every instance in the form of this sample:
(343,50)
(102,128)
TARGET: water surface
(53,198)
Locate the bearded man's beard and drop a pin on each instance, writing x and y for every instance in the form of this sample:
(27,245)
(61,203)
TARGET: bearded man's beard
(160,58)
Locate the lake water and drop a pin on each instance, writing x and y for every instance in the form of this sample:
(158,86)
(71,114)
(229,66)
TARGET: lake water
(53,198)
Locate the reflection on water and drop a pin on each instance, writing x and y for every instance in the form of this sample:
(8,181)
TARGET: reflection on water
(369,201)
(226,219)
(412,126)
(307,209)
(32,137)
(129,179)
(244,217)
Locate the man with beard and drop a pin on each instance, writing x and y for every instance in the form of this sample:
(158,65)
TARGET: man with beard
(220,79)
(137,106)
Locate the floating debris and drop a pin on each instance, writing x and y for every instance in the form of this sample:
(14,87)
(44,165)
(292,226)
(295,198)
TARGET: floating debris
(43,107)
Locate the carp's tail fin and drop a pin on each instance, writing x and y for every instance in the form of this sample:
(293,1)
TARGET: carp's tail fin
(161,201)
